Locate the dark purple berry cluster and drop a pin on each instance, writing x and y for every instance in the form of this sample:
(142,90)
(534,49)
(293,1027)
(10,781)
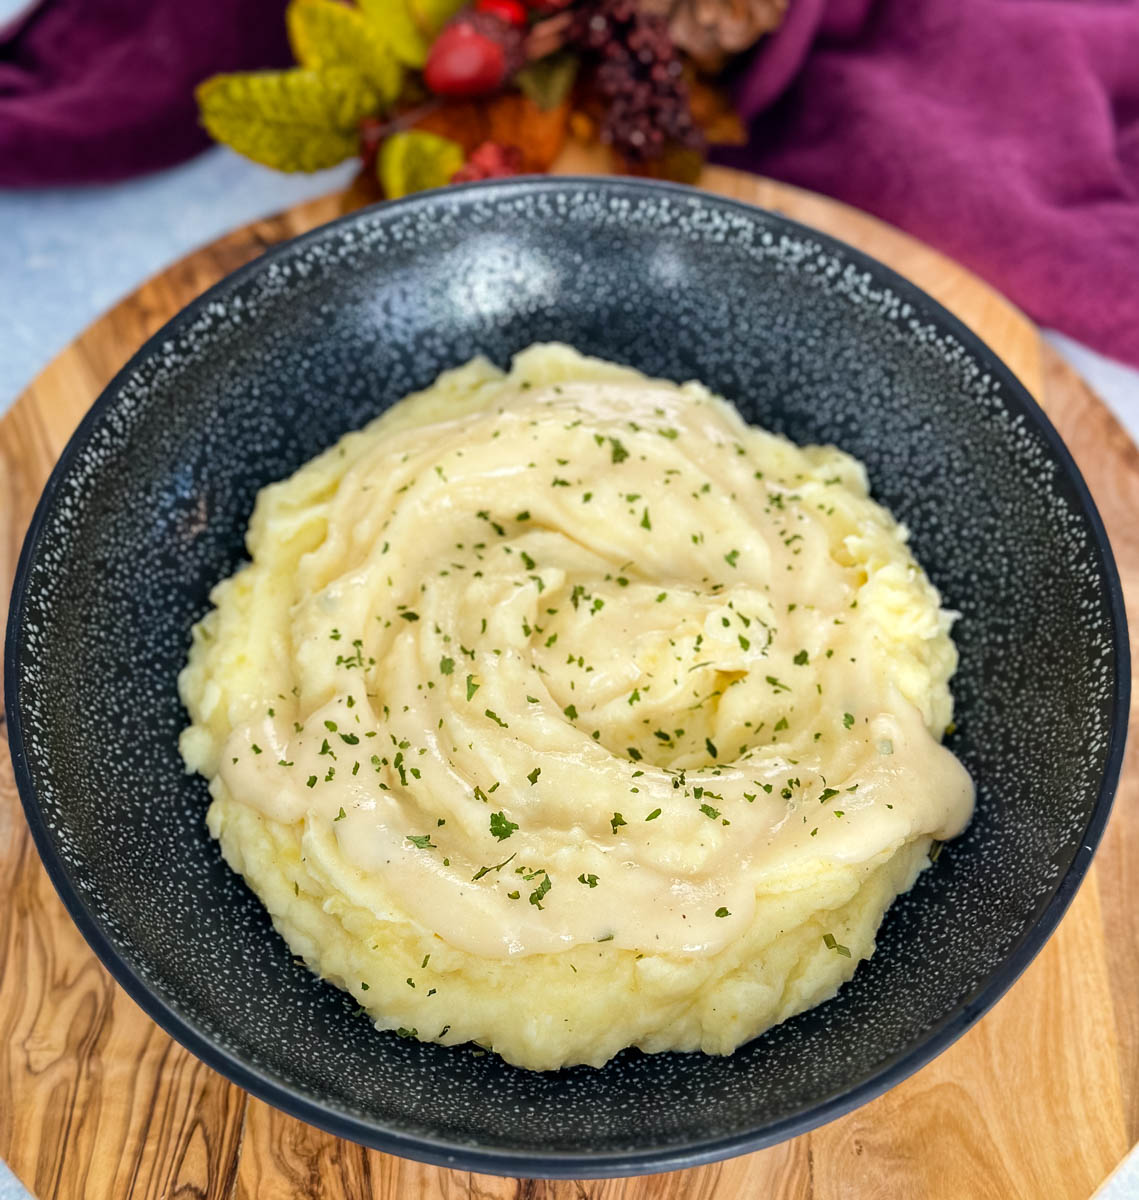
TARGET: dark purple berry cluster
(639,80)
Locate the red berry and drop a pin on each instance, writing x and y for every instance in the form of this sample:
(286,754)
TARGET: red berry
(490,160)
(513,12)
(464,62)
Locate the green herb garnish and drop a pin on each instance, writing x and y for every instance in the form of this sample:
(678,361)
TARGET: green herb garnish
(500,827)
(540,891)
(831,944)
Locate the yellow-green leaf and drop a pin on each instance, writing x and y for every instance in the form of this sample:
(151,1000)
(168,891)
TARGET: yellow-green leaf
(416,160)
(432,15)
(325,33)
(393,21)
(294,120)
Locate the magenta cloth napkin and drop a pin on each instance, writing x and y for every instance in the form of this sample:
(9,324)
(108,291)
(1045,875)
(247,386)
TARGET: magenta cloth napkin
(1003,132)
(97,90)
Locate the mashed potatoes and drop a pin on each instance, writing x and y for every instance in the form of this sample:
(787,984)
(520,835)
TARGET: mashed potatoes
(562,711)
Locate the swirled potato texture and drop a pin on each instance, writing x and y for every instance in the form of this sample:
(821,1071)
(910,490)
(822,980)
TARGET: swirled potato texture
(562,711)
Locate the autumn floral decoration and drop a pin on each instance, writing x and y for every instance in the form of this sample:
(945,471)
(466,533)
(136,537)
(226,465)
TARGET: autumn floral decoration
(428,92)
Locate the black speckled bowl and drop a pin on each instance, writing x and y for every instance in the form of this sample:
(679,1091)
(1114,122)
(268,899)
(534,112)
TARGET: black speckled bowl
(147,507)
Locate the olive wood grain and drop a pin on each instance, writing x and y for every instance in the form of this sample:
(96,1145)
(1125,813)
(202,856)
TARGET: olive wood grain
(1039,1099)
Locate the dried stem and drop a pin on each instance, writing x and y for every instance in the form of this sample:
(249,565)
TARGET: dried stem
(549,36)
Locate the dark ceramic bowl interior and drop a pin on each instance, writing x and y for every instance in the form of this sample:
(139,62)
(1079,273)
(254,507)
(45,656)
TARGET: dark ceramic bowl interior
(147,507)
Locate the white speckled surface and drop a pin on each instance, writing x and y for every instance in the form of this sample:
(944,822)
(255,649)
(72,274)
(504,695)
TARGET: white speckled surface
(1121,1184)
(10,1186)
(68,254)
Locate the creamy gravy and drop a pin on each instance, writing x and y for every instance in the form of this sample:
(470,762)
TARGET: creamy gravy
(595,610)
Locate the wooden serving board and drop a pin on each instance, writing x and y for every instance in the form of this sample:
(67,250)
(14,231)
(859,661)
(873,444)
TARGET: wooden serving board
(1040,1099)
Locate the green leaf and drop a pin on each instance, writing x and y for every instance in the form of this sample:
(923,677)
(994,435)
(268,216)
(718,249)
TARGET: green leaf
(392,20)
(297,120)
(325,33)
(414,161)
(549,80)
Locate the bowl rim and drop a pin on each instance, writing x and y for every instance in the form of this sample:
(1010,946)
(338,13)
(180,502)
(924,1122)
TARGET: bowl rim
(557,1164)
